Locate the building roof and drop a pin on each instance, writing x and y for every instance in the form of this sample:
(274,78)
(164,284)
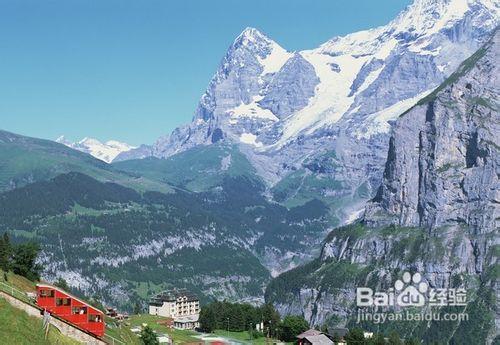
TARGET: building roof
(172,296)
(319,339)
(309,332)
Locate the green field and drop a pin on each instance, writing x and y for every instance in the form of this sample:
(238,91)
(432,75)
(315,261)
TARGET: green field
(121,332)
(178,336)
(244,337)
(26,160)
(20,328)
(197,170)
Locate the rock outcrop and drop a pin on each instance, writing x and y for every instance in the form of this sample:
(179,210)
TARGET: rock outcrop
(443,164)
(436,213)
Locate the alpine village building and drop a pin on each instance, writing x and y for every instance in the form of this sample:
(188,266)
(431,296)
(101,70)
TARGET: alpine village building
(178,304)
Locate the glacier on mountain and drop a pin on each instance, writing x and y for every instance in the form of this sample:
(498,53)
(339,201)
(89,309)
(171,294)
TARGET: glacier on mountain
(107,151)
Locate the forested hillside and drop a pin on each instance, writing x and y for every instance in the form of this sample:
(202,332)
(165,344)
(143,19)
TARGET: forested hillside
(113,242)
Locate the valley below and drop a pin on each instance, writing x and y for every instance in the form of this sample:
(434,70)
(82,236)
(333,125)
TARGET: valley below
(302,176)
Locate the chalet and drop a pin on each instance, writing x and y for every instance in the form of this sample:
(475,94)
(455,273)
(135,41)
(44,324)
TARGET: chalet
(178,304)
(313,337)
(111,312)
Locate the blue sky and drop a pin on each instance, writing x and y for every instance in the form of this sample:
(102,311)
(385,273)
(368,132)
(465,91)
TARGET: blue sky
(134,70)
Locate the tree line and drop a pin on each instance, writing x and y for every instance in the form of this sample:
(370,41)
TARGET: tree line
(238,317)
(19,258)
(356,336)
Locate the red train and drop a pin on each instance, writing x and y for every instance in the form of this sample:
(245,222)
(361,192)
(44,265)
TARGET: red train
(70,308)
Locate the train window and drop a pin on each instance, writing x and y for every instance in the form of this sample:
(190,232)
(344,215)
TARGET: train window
(63,301)
(79,310)
(46,293)
(95,318)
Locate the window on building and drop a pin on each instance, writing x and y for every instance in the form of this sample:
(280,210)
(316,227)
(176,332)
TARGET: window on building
(79,310)
(95,318)
(63,302)
(46,293)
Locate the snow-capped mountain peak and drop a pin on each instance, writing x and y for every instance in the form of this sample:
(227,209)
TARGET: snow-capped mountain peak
(419,20)
(281,106)
(104,151)
(270,55)
(251,35)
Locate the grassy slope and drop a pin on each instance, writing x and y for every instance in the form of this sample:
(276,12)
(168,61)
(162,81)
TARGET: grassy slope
(178,336)
(16,323)
(24,160)
(20,328)
(18,282)
(197,169)
(121,332)
(244,337)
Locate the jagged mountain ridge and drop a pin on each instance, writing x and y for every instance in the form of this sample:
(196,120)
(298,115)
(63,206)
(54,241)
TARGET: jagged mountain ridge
(285,109)
(254,66)
(106,152)
(436,213)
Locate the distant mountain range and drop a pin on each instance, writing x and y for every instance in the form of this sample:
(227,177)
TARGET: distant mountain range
(107,151)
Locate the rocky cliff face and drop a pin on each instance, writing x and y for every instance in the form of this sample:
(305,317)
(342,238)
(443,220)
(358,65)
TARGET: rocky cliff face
(436,213)
(443,160)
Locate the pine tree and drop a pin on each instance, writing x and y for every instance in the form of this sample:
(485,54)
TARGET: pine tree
(208,318)
(291,326)
(148,337)
(24,261)
(137,308)
(378,339)
(5,252)
(355,337)
(63,284)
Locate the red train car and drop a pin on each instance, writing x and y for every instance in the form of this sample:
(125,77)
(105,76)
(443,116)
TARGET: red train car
(70,308)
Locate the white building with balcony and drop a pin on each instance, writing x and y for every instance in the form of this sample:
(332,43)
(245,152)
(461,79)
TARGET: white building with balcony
(178,304)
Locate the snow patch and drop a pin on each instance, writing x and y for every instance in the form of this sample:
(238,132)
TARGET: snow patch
(273,62)
(379,122)
(104,151)
(250,139)
(251,109)
(331,99)
(353,216)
